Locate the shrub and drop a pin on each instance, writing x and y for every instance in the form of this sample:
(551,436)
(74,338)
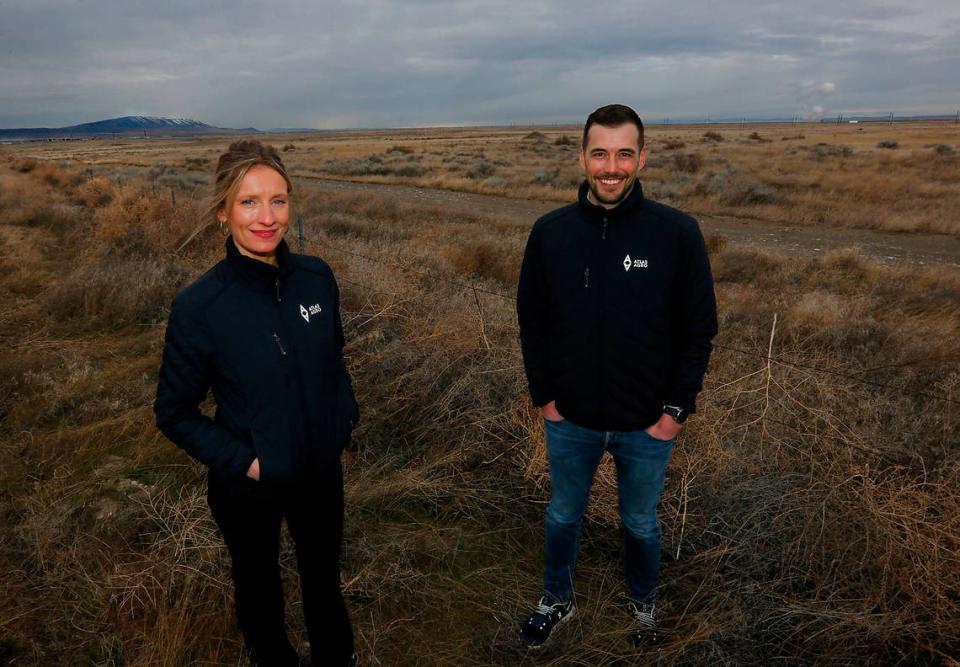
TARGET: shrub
(673,144)
(564,140)
(823,150)
(888,143)
(400,150)
(483,258)
(755,136)
(745,191)
(497,182)
(356,168)
(24,165)
(943,149)
(671,188)
(736,189)
(482,170)
(716,243)
(689,163)
(289,147)
(712,136)
(411,170)
(115,291)
(97,191)
(547,177)
(59,175)
(746,267)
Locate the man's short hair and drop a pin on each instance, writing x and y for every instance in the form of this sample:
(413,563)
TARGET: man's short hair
(613,115)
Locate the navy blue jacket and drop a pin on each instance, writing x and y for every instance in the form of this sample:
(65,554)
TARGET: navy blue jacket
(268,342)
(617,311)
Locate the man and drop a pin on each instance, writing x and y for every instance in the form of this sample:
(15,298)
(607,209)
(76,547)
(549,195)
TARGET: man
(617,311)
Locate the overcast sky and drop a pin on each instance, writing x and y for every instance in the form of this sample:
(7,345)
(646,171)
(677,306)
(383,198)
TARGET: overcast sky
(282,63)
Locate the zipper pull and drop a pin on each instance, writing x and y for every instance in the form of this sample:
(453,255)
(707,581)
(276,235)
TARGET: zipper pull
(603,232)
(279,344)
(586,277)
(278,292)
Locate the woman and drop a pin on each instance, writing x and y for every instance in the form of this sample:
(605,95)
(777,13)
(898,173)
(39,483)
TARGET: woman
(262,330)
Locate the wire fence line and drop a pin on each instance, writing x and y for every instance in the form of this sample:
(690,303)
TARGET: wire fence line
(511,298)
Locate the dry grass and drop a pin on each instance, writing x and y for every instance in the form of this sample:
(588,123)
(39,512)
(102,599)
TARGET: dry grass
(809,174)
(808,518)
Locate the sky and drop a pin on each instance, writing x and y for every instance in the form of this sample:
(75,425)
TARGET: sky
(371,63)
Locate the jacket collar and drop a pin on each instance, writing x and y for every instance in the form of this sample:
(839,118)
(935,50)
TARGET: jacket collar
(257,272)
(633,201)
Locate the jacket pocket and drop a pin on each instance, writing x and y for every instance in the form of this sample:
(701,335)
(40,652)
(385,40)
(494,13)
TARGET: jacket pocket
(276,463)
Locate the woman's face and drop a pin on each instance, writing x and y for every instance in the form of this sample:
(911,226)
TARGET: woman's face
(259,213)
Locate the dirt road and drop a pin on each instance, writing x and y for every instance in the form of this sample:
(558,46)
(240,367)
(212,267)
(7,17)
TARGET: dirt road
(887,248)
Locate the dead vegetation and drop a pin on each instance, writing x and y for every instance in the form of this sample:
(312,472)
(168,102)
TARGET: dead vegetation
(811,516)
(807,174)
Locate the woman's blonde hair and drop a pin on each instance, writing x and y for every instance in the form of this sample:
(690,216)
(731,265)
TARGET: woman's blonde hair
(234,165)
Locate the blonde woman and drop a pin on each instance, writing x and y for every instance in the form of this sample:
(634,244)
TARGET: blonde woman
(262,330)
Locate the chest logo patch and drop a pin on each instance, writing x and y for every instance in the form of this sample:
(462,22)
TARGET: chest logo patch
(635,263)
(305,312)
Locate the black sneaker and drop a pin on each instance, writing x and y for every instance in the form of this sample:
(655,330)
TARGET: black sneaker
(644,631)
(546,618)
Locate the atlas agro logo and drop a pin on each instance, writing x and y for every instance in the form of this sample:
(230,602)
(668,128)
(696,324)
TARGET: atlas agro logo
(305,313)
(634,263)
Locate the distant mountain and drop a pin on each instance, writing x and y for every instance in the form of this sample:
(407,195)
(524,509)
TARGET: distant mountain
(137,126)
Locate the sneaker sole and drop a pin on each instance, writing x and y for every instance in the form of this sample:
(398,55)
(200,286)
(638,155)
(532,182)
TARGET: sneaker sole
(546,642)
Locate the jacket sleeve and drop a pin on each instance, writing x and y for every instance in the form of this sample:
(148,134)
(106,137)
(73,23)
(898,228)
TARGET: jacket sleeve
(695,323)
(183,384)
(534,322)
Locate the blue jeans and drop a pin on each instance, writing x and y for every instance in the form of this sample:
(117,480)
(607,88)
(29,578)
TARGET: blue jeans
(574,453)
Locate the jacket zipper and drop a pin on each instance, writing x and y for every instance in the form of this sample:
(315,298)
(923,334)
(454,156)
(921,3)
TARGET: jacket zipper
(276,337)
(602,333)
(586,277)
(278,289)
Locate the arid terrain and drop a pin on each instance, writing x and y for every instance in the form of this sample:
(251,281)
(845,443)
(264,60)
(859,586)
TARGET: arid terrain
(811,514)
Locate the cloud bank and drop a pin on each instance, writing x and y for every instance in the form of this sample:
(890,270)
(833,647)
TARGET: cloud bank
(425,62)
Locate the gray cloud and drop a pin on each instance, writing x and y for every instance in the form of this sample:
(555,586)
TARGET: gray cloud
(334,64)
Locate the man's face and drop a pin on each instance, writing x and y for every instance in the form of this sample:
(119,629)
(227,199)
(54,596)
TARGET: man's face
(611,161)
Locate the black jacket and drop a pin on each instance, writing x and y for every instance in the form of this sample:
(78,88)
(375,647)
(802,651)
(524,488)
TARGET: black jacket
(617,311)
(268,341)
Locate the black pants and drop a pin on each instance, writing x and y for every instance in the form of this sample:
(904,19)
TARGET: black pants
(251,529)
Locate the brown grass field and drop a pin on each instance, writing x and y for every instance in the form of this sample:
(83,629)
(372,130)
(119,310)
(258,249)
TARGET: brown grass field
(811,514)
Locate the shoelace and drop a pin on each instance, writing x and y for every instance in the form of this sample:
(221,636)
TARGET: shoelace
(545,609)
(643,615)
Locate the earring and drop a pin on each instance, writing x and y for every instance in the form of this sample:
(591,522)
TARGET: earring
(223,227)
